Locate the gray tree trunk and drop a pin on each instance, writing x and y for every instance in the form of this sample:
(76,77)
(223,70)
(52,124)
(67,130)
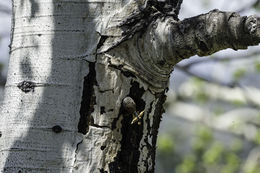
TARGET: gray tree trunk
(72,64)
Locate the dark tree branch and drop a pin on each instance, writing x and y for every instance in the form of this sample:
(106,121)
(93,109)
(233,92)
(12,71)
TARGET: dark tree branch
(208,33)
(202,35)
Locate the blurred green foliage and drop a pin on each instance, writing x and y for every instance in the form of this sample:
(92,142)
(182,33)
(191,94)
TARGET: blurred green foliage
(257,7)
(253,169)
(257,66)
(257,137)
(207,155)
(239,73)
(165,144)
(201,96)
(205,152)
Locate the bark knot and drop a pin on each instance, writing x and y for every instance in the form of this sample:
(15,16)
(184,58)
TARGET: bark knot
(251,24)
(26,86)
(56,129)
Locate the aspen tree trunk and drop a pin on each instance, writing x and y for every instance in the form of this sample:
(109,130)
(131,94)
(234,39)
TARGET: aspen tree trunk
(62,102)
(72,64)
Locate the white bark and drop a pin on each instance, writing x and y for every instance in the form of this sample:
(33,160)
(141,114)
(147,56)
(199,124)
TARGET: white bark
(53,46)
(49,41)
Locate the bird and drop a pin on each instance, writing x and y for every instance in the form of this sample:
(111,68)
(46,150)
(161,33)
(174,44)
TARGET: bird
(129,106)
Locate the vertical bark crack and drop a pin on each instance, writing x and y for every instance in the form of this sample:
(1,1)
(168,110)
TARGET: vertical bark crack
(88,99)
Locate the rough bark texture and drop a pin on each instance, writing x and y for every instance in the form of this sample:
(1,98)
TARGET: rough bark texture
(72,64)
